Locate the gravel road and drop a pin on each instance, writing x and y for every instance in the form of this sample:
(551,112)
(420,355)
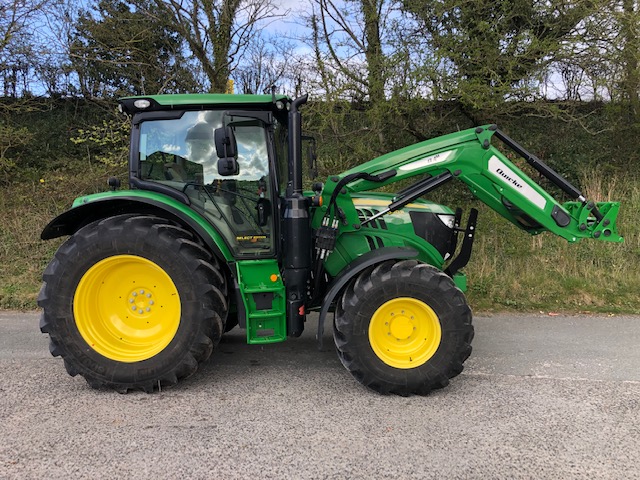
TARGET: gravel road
(541,397)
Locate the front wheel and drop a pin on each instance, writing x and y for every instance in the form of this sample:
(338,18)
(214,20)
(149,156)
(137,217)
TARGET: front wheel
(132,302)
(403,327)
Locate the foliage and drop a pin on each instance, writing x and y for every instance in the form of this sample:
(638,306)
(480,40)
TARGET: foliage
(495,51)
(51,125)
(108,141)
(10,138)
(118,52)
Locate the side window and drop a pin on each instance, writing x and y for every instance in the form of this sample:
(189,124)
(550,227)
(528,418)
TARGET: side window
(181,154)
(179,151)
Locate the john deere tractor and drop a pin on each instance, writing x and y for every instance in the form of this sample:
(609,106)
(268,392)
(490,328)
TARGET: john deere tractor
(216,231)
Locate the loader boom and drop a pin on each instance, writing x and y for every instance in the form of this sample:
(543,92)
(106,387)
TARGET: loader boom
(470,157)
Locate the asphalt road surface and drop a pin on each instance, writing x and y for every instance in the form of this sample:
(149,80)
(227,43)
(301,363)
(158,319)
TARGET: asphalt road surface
(541,397)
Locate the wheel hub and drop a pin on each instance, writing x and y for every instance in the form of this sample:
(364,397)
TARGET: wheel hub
(401,327)
(141,301)
(404,332)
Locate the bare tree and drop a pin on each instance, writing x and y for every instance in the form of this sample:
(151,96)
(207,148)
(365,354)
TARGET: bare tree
(16,26)
(15,17)
(216,31)
(630,29)
(349,43)
(264,64)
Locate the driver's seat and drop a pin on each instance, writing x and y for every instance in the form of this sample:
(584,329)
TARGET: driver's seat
(175,172)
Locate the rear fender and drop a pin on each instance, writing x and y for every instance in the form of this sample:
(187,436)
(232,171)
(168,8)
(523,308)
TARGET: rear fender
(364,261)
(97,207)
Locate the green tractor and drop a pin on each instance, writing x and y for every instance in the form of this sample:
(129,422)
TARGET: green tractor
(216,231)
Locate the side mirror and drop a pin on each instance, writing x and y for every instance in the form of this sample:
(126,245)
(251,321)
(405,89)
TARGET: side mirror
(228,166)
(227,150)
(226,145)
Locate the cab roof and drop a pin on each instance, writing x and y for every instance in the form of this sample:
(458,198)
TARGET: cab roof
(191,101)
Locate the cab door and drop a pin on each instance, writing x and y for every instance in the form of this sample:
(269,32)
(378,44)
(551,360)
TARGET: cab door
(180,153)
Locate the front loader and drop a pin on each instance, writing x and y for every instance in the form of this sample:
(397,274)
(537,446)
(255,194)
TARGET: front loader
(216,231)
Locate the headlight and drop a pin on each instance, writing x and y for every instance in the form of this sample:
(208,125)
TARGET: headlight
(142,104)
(448,219)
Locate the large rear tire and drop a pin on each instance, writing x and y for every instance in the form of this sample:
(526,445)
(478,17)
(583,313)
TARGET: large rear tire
(403,327)
(133,302)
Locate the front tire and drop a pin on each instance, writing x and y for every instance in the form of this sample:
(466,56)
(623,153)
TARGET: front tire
(403,327)
(132,302)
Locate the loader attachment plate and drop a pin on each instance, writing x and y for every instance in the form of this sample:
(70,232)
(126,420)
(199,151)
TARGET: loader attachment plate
(605,229)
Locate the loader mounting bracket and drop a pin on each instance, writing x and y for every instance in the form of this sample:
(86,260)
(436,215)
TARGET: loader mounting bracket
(467,245)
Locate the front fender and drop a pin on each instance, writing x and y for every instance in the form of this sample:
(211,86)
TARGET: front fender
(364,261)
(102,205)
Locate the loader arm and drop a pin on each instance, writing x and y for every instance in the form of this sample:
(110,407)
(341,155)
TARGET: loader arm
(470,157)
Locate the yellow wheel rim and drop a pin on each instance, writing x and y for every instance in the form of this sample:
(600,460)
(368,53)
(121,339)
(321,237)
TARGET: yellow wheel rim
(404,332)
(127,308)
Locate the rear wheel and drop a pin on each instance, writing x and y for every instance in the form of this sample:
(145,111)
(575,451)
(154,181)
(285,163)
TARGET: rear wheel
(132,302)
(403,327)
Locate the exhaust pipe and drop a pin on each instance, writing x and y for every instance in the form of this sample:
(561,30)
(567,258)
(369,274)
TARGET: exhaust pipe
(297,228)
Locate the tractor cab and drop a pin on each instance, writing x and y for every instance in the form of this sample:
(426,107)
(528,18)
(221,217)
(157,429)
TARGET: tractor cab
(226,161)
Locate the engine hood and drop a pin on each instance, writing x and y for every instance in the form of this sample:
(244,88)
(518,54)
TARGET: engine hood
(379,201)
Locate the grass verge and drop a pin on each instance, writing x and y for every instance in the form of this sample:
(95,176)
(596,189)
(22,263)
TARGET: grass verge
(26,208)
(512,270)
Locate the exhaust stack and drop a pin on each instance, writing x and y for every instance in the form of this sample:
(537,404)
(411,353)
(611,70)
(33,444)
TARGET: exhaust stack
(297,228)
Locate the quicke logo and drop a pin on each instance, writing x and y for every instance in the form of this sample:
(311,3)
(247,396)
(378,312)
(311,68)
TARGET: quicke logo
(502,173)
